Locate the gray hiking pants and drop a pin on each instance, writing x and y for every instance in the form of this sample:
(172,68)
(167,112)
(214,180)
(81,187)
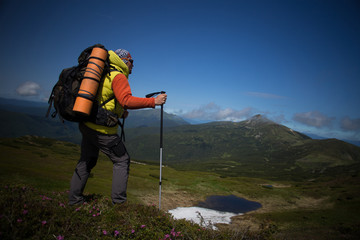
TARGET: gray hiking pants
(113,147)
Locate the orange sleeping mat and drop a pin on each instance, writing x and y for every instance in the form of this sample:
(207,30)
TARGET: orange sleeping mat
(91,81)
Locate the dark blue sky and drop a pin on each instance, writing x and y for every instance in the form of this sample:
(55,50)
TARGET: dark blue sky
(297,62)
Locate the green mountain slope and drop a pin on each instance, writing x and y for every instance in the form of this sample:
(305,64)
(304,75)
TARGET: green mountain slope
(256,147)
(136,118)
(16,124)
(151,118)
(21,118)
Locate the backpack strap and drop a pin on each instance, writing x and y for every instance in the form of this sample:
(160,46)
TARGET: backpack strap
(122,125)
(50,102)
(113,69)
(108,100)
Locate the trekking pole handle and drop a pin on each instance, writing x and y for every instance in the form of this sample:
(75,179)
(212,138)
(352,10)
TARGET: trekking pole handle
(154,94)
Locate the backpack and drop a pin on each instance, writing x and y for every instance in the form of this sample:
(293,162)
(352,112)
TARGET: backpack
(65,92)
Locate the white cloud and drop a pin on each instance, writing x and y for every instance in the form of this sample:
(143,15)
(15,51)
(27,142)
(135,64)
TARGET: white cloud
(212,111)
(314,119)
(279,119)
(349,124)
(28,89)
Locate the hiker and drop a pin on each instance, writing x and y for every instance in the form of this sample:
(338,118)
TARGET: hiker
(96,137)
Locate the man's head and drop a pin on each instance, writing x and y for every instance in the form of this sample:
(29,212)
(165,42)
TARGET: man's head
(126,57)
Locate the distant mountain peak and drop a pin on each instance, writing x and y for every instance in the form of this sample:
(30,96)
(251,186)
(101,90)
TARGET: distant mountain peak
(258,119)
(258,116)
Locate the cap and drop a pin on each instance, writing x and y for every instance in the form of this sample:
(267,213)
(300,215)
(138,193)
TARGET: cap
(123,54)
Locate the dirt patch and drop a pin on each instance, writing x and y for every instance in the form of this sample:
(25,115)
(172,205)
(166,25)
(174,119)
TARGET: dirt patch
(172,199)
(276,185)
(245,222)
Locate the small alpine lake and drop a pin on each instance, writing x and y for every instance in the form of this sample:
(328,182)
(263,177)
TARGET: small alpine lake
(230,203)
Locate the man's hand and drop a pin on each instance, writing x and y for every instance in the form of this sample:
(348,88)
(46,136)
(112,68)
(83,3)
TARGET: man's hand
(160,99)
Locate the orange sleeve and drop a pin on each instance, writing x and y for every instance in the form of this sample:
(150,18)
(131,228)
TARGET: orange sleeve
(122,91)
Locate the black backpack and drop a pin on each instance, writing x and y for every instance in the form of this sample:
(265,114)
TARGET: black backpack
(66,90)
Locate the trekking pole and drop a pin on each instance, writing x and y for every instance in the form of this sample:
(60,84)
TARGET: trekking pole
(161,140)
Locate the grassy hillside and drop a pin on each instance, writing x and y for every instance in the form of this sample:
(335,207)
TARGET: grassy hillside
(137,118)
(30,213)
(325,208)
(29,119)
(16,124)
(257,147)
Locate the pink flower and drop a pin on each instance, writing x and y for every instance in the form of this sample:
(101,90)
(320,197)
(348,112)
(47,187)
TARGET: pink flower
(104,232)
(78,209)
(19,220)
(132,230)
(142,226)
(25,212)
(45,197)
(61,205)
(116,233)
(43,223)
(60,237)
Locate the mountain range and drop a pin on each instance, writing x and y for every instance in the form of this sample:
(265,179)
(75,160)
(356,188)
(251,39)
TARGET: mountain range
(254,147)
(21,118)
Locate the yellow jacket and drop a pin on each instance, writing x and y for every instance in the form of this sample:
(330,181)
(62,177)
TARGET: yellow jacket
(106,92)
